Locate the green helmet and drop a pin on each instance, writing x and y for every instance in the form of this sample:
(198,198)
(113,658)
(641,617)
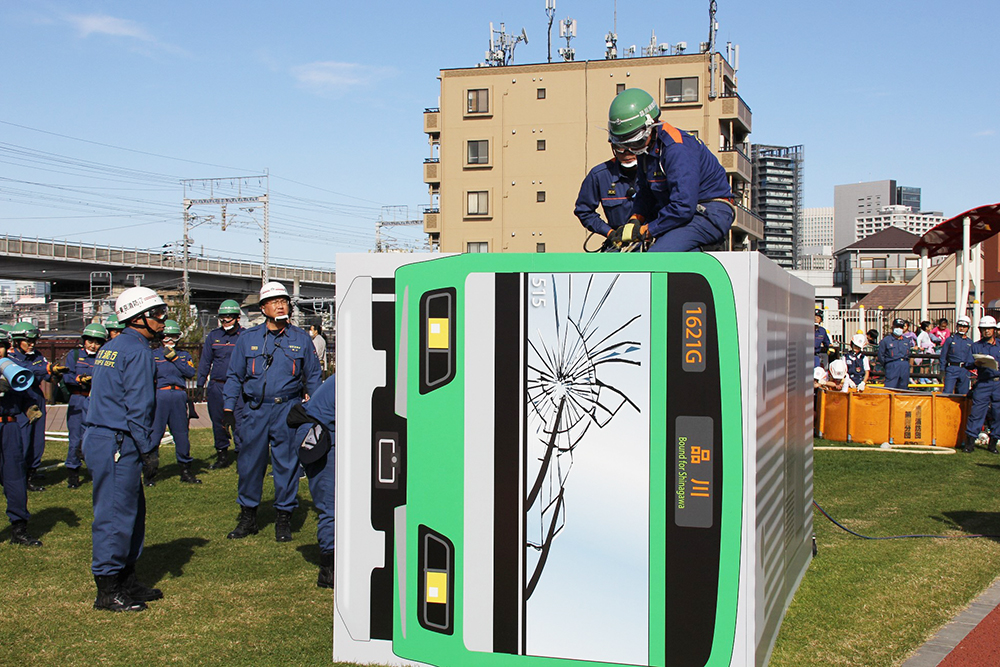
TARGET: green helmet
(95,330)
(24,331)
(5,331)
(632,111)
(113,324)
(229,307)
(171,328)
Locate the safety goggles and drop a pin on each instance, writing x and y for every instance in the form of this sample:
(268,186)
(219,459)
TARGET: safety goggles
(158,313)
(635,143)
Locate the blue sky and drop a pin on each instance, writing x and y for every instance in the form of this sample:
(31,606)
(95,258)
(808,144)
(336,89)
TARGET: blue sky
(329,98)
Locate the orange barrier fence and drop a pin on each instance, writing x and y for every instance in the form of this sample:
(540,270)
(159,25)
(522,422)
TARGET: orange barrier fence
(899,418)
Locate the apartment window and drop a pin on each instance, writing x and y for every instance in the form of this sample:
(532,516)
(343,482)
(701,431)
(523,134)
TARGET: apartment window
(540,145)
(479,203)
(680,90)
(539,247)
(541,93)
(540,196)
(477,246)
(478,101)
(620,88)
(479,152)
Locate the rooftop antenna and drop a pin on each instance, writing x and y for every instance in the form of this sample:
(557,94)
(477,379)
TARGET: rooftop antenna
(611,39)
(501,51)
(655,49)
(567,29)
(550,11)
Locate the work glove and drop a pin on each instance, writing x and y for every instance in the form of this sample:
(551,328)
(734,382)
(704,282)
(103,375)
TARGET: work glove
(151,464)
(56,369)
(84,380)
(229,421)
(170,354)
(630,232)
(861,387)
(199,394)
(33,413)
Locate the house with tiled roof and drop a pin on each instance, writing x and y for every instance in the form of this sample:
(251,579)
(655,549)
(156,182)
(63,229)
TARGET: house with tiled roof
(880,260)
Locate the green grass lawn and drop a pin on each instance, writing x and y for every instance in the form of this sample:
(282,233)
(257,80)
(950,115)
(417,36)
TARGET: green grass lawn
(255,601)
(873,603)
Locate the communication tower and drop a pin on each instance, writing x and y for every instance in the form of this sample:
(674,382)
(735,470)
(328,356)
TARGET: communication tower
(567,29)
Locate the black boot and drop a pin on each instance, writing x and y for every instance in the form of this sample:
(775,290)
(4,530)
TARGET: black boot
(992,448)
(970,444)
(221,460)
(325,579)
(187,476)
(246,524)
(148,480)
(35,481)
(73,478)
(110,596)
(19,535)
(283,527)
(135,590)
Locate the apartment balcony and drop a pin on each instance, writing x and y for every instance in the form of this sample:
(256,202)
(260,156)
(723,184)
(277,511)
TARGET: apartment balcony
(432,171)
(432,121)
(734,109)
(432,221)
(735,162)
(748,222)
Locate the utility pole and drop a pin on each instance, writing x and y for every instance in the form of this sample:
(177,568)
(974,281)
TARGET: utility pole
(550,11)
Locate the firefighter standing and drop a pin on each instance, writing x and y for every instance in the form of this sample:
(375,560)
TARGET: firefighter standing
(80,363)
(954,355)
(212,369)
(12,405)
(894,354)
(173,369)
(986,392)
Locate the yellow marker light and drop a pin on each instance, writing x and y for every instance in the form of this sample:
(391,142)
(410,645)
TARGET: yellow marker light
(437,587)
(437,333)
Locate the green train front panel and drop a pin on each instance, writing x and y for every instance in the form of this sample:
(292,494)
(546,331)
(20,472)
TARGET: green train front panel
(574,464)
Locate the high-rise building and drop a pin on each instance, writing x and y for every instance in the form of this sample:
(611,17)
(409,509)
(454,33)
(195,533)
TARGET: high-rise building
(814,239)
(510,146)
(777,198)
(900,216)
(908,197)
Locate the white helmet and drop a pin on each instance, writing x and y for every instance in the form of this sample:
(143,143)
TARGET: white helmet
(860,340)
(819,374)
(838,369)
(963,321)
(988,323)
(135,301)
(271,290)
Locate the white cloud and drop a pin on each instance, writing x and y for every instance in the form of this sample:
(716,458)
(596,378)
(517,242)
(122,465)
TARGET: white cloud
(109,25)
(333,77)
(985,133)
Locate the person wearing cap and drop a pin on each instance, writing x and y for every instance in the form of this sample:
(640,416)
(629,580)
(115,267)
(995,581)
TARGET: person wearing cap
(683,199)
(954,355)
(273,367)
(80,362)
(894,355)
(24,337)
(118,444)
(213,367)
(13,404)
(318,457)
(113,326)
(821,341)
(986,391)
(858,366)
(173,369)
(610,186)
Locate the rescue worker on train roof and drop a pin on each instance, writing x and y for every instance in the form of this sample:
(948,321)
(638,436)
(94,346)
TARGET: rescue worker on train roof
(954,354)
(986,392)
(173,369)
(80,362)
(25,336)
(273,367)
(13,404)
(610,186)
(683,199)
(212,369)
(118,443)
(894,354)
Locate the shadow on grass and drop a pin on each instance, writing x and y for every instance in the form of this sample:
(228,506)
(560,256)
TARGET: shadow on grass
(159,559)
(973,523)
(991,466)
(310,552)
(44,521)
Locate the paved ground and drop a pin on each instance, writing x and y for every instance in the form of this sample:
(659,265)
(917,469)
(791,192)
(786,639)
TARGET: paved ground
(972,639)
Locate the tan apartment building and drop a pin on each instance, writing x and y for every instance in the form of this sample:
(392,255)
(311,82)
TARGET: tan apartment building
(510,146)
